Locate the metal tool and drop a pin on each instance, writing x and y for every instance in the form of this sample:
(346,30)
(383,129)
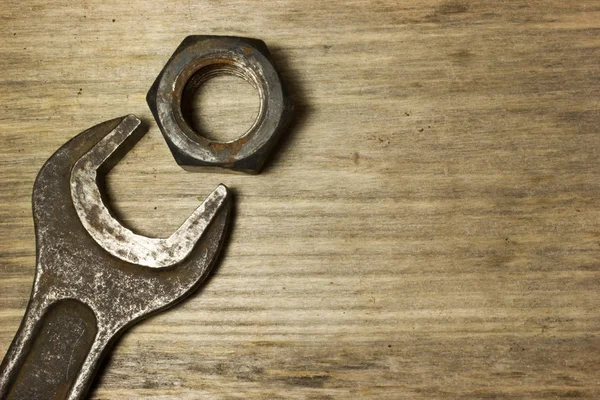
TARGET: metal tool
(94,277)
(202,57)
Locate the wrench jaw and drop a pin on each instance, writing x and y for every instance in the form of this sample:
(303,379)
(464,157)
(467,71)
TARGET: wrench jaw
(99,294)
(185,277)
(107,231)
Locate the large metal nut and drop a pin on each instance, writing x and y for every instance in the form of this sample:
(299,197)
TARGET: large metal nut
(197,59)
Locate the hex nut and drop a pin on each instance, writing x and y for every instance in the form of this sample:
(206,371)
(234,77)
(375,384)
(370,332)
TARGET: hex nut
(197,59)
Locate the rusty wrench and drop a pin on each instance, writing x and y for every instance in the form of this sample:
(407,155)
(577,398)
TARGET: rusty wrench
(94,278)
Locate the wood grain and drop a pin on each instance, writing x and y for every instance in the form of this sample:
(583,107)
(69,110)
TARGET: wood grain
(429,229)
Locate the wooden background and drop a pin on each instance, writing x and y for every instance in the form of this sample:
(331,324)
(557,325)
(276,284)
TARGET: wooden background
(429,228)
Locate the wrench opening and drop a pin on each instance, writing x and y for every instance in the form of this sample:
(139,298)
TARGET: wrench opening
(107,231)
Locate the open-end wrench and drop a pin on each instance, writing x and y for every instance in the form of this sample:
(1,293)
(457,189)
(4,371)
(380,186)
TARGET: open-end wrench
(94,278)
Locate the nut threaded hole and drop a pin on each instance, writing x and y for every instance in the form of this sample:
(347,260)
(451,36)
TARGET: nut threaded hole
(222,101)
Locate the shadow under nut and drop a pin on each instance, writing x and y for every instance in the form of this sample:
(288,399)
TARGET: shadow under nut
(197,59)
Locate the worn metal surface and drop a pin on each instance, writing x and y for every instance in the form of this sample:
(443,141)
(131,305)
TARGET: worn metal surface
(197,59)
(92,276)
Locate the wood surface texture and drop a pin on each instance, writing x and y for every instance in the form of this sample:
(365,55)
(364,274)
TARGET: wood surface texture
(428,229)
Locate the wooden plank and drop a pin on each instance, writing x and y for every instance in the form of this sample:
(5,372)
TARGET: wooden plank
(429,228)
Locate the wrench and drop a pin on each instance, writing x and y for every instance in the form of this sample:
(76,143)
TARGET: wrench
(94,278)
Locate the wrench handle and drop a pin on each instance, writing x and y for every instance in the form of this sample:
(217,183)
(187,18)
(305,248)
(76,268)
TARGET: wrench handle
(48,360)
